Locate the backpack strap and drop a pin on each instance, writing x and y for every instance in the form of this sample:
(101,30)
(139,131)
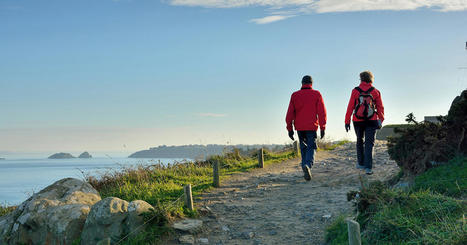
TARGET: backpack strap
(366,92)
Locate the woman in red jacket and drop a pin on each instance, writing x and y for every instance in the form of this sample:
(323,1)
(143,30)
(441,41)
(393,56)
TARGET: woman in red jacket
(368,115)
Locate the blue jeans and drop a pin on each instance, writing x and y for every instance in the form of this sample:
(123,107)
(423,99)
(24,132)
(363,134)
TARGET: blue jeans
(307,147)
(365,129)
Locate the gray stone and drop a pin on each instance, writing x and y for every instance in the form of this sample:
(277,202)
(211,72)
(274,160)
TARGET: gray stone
(188,225)
(104,241)
(248,235)
(203,241)
(135,220)
(187,239)
(106,219)
(55,215)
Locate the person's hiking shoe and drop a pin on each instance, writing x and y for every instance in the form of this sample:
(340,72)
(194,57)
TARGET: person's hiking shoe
(360,167)
(307,173)
(368,171)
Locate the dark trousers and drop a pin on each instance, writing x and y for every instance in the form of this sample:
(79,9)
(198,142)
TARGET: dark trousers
(365,130)
(307,147)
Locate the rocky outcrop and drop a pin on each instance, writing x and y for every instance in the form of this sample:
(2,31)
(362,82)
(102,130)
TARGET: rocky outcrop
(61,155)
(113,218)
(85,155)
(55,215)
(456,123)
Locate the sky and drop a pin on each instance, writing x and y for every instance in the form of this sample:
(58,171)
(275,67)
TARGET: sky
(126,75)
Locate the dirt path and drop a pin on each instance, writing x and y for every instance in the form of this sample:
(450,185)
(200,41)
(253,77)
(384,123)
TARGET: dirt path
(275,205)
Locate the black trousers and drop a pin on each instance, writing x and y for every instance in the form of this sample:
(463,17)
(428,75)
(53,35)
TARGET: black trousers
(365,130)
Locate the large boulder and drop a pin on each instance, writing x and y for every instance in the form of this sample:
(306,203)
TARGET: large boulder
(113,218)
(55,215)
(105,221)
(135,219)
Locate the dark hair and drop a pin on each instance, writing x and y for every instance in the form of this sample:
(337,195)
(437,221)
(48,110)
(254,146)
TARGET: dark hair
(367,77)
(307,79)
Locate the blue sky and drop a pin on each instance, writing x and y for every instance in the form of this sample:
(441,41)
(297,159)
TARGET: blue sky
(127,75)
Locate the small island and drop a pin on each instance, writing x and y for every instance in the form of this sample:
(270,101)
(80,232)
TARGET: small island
(61,155)
(85,155)
(2,158)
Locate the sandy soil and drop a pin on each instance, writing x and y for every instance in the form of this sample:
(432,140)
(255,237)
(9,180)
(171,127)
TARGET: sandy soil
(275,205)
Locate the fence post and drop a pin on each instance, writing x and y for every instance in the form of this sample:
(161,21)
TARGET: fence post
(354,232)
(215,168)
(261,158)
(296,147)
(188,197)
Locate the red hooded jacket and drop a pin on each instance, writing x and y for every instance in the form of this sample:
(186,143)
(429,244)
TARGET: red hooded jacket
(379,115)
(305,108)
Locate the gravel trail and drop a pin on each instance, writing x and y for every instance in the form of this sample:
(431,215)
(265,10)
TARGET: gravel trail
(275,205)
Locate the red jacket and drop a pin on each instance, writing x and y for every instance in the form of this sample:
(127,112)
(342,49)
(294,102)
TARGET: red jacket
(379,115)
(306,106)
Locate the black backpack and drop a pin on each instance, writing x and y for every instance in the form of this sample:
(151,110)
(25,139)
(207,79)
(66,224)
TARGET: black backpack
(365,106)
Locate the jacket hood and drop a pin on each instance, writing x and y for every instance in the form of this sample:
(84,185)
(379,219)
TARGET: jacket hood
(365,86)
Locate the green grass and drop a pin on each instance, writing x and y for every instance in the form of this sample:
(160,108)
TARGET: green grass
(429,213)
(449,179)
(4,209)
(326,145)
(162,186)
(336,233)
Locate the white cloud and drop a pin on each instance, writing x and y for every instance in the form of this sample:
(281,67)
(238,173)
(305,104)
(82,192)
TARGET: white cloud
(269,19)
(210,114)
(298,7)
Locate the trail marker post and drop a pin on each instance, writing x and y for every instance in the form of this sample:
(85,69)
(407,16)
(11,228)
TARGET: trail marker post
(215,168)
(354,232)
(188,197)
(296,147)
(261,158)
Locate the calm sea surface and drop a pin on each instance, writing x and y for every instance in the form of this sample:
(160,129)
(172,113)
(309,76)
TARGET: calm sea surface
(20,178)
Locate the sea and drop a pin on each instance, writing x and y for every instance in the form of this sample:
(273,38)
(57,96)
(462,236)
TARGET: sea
(21,178)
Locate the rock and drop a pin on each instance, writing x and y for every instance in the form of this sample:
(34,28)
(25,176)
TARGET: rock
(106,219)
(248,235)
(188,225)
(55,215)
(326,217)
(135,210)
(61,155)
(187,239)
(85,155)
(203,241)
(104,241)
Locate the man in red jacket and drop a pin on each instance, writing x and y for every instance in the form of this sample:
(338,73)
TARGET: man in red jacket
(368,115)
(305,108)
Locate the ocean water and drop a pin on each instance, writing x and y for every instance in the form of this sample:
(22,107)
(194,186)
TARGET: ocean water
(20,178)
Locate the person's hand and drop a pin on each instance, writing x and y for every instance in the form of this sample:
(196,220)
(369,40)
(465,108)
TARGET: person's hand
(380,124)
(291,135)
(322,133)
(347,127)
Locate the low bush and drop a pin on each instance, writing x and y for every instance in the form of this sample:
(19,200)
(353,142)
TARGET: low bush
(426,214)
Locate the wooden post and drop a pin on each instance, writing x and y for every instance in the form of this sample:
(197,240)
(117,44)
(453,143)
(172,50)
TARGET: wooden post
(296,147)
(216,182)
(261,158)
(188,197)
(354,232)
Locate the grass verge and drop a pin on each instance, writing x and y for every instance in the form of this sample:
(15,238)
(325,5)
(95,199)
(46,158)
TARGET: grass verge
(429,213)
(162,186)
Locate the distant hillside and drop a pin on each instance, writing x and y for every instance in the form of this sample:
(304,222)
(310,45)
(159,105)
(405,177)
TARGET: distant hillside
(195,151)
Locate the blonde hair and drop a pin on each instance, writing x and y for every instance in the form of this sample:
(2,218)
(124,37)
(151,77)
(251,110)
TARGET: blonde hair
(367,77)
